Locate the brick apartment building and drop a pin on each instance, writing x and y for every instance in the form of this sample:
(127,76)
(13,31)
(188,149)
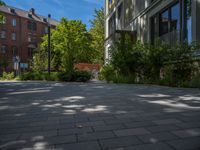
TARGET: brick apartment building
(20,34)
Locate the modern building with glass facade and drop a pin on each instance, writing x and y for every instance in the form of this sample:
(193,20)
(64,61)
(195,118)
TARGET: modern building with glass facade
(171,21)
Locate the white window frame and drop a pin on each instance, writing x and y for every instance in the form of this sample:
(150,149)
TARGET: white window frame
(14,36)
(14,22)
(3,34)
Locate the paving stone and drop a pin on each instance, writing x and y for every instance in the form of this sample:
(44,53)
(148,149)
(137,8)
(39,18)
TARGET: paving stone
(188,125)
(108,127)
(121,148)
(50,133)
(74,131)
(61,140)
(187,133)
(95,136)
(157,137)
(133,131)
(15,144)
(157,146)
(162,128)
(188,143)
(139,124)
(119,142)
(94,123)
(79,146)
(167,121)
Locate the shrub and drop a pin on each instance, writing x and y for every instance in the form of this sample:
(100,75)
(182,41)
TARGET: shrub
(8,76)
(77,76)
(81,76)
(195,82)
(107,72)
(123,79)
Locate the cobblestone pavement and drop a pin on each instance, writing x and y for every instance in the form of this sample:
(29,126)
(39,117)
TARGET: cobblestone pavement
(98,116)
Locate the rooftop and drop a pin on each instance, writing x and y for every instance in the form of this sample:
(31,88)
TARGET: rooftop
(26,14)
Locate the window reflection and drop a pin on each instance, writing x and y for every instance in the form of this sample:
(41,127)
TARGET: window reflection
(164,22)
(175,17)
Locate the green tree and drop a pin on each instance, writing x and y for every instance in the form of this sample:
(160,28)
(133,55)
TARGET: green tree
(70,44)
(1,15)
(98,35)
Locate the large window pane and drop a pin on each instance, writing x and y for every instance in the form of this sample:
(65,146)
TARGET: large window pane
(175,17)
(164,22)
(189,20)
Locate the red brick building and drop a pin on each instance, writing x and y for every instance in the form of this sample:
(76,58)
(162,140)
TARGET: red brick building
(20,34)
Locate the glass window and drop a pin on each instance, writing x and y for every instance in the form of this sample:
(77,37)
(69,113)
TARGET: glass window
(175,17)
(30,52)
(45,29)
(188,20)
(3,34)
(14,51)
(164,22)
(13,36)
(29,39)
(4,49)
(32,25)
(14,22)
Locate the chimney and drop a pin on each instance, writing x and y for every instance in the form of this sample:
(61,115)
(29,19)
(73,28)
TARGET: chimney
(32,10)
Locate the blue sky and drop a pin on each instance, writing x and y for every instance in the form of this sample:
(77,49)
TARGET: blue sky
(70,9)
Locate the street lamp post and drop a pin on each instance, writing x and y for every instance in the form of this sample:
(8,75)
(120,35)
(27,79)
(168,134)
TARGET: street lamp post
(49,45)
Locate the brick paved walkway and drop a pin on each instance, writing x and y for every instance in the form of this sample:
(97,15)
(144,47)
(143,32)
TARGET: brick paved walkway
(72,116)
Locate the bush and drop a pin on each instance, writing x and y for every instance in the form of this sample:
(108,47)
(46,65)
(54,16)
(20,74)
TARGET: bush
(123,79)
(107,72)
(8,76)
(195,82)
(77,76)
(81,76)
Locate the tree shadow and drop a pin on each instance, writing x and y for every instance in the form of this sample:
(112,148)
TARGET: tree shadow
(41,115)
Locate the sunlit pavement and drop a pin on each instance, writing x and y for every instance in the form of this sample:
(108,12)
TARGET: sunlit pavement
(98,116)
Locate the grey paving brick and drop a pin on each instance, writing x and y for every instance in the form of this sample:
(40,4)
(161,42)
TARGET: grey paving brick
(74,131)
(95,136)
(184,144)
(79,146)
(157,146)
(120,148)
(49,133)
(61,140)
(167,121)
(162,128)
(139,124)
(108,127)
(157,137)
(119,142)
(93,123)
(187,133)
(189,125)
(133,131)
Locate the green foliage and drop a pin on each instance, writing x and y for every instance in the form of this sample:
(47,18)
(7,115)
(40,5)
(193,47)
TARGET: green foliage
(70,44)
(155,64)
(81,76)
(107,72)
(98,36)
(77,76)
(1,15)
(195,82)
(8,76)
(123,79)
(4,64)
